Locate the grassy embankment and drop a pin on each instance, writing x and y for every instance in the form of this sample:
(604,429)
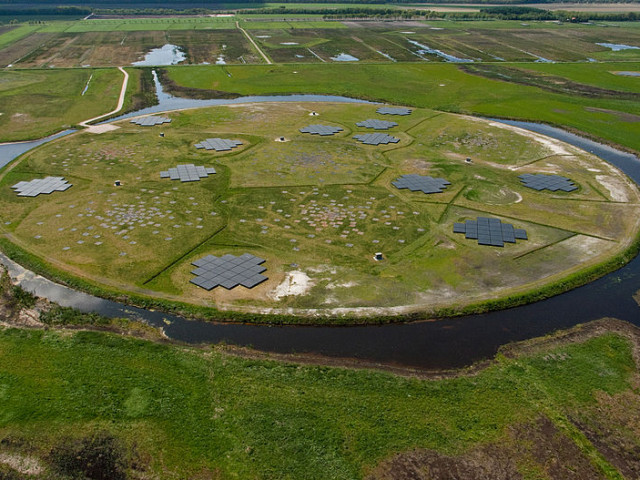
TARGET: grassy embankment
(184,412)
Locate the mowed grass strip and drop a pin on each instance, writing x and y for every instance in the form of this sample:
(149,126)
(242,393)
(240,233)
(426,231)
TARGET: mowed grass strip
(190,411)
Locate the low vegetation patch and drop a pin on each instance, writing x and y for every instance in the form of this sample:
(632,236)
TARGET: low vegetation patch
(113,407)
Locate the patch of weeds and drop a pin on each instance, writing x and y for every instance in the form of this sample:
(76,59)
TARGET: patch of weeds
(22,298)
(100,456)
(69,316)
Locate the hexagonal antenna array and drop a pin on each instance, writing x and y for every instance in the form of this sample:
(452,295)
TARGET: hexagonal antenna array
(394,111)
(421,183)
(322,130)
(377,124)
(188,173)
(228,271)
(376,138)
(37,186)
(540,181)
(218,144)
(150,121)
(490,231)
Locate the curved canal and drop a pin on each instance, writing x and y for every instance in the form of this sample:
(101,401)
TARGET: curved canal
(446,343)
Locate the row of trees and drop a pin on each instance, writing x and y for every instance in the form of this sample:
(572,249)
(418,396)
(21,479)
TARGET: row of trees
(356,12)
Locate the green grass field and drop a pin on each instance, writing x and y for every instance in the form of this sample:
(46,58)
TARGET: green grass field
(37,103)
(188,413)
(317,209)
(441,87)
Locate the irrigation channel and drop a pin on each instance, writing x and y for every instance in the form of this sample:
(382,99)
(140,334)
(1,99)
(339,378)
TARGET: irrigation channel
(441,344)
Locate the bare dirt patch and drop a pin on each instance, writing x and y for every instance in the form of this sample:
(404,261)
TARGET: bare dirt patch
(98,129)
(294,283)
(557,147)
(616,187)
(622,116)
(21,463)
(538,445)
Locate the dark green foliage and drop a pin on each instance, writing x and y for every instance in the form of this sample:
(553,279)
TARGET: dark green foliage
(8,473)
(22,298)
(70,316)
(146,94)
(96,457)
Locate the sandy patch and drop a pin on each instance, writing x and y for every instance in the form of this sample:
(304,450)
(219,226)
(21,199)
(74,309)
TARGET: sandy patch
(282,139)
(294,283)
(332,286)
(557,147)
(23,464)
(586,247)
(617,189)
(98,129)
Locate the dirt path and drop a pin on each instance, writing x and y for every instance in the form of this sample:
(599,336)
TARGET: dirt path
(123,92)
(246,34)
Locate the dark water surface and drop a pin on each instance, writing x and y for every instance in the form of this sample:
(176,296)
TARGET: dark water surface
(447,343)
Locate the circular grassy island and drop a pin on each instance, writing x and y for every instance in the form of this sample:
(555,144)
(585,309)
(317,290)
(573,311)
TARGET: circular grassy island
(309,210)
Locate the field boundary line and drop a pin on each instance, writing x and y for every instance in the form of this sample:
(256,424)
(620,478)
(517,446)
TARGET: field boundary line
(164,269)
(316,55)
(437,114)
(599,192)
(123,94)
(576,232)
(543,158)
(246,34)
(451,202)
(534,250)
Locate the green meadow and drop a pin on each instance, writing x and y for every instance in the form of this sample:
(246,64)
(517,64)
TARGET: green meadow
(441,87)
(37,103)
(174,412)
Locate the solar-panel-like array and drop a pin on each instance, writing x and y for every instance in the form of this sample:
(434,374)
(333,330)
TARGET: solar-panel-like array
(41,185)
(421,183)
(376,138)
(377,124)
(322,130)
(228,271)
(394,111)
(188,173)
(150,121)
(549,182)
(218,144)
(490,231)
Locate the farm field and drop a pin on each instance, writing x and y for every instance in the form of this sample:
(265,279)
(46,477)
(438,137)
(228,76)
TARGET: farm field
(159,411)
(37,103)
(125,48)
(439,86)
(305,39)
(317,209)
